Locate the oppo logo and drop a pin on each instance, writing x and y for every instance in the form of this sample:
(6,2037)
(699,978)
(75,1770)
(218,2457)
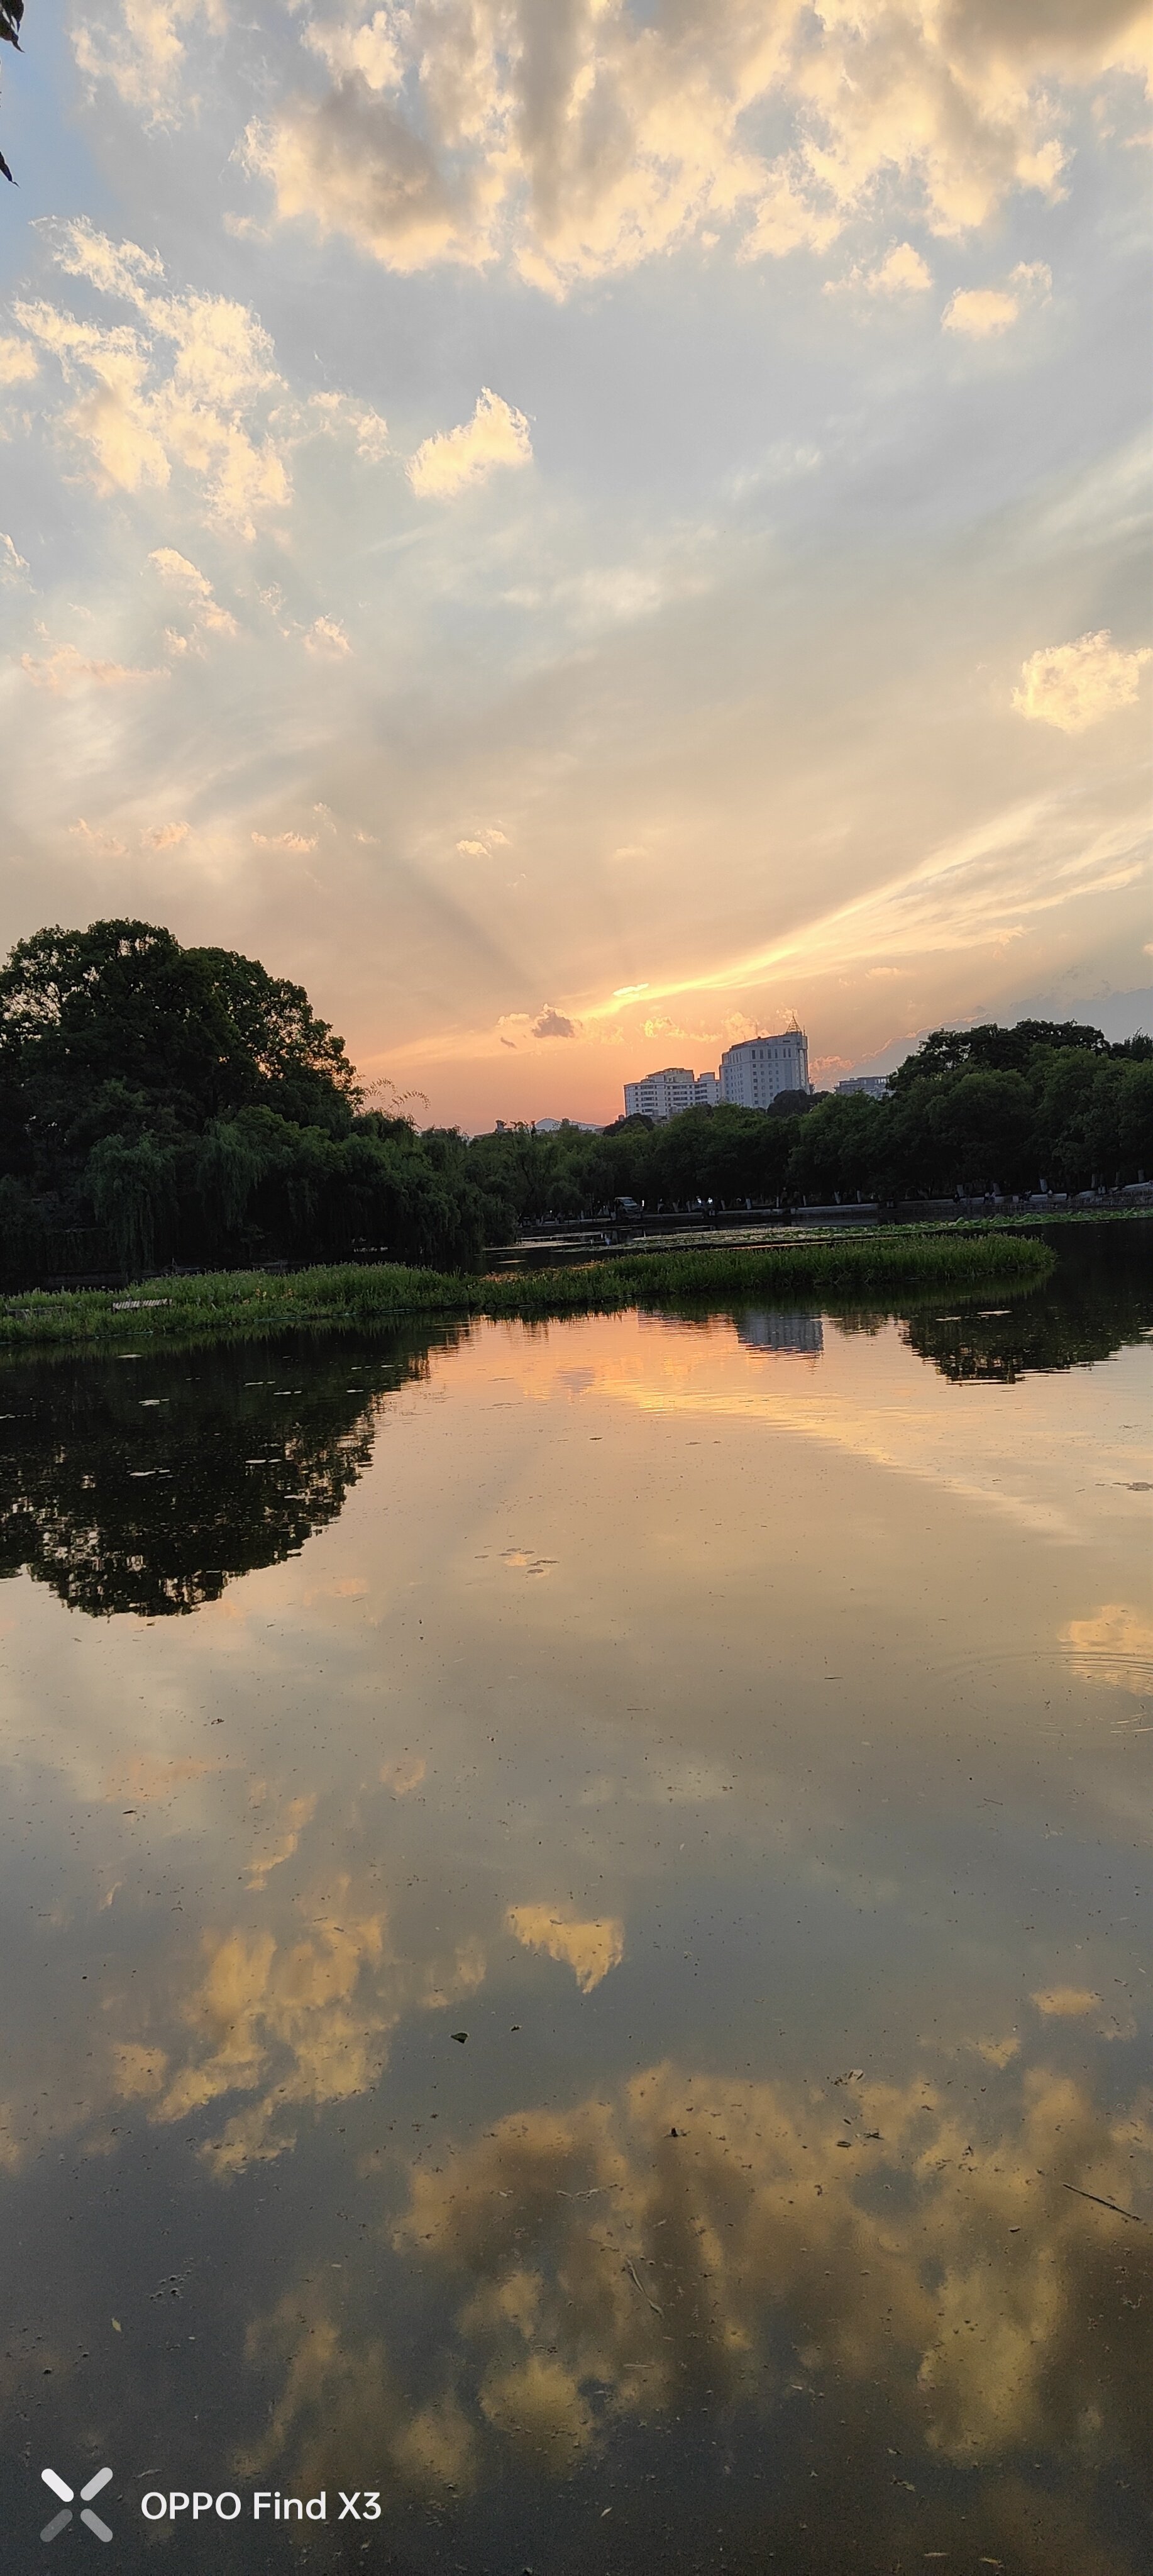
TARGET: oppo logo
(67,2494)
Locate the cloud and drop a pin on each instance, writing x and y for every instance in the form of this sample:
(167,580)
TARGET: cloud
(69,668)
(484,843)
(453,459)
(12,563)
(18,362)
(284,840)
(589,1949)
(180,387)
(980,312)
(986,312)
(327,639)
(901,272)
(351,163)
(196,589)
(166,836)
(980,886)
(553,1024)
(1074,685)
(141,51)
(105,843)
(579,145)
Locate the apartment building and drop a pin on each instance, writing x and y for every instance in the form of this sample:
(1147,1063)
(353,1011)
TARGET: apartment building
(753,1073)
(664,1095)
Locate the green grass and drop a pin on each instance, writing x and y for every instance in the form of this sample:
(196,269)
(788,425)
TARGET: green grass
(898,1263)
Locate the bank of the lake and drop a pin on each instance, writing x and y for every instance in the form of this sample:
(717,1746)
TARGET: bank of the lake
(905,1262)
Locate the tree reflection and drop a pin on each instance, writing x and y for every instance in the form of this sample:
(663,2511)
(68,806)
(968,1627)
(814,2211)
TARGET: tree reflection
(149,1483)
(1099,1299)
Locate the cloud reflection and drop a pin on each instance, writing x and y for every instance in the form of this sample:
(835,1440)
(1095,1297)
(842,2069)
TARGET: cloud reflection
(727,2246)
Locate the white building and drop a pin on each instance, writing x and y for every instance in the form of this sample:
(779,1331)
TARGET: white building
(875,1086)
(753,1073)
(664,1095)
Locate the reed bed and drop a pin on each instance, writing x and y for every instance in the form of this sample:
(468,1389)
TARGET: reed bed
(898,1263)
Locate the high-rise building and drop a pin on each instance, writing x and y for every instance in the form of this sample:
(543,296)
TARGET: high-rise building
(753,1073)
(664,1095)
(875,1086)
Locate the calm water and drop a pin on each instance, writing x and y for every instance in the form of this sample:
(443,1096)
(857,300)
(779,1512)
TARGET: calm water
(739,1728)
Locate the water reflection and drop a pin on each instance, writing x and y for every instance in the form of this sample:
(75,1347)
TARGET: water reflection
(1101,1299)
(600,1992)
(148,1482)
(689,2254)
(764,1331)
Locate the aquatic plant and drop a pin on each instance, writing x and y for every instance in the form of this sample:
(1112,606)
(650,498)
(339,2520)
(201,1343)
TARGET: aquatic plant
(897,1263)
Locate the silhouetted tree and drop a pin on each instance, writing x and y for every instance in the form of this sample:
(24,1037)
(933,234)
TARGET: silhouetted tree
(11,21)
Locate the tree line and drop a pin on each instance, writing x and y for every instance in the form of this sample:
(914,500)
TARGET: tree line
(972,1112)
(166,1106)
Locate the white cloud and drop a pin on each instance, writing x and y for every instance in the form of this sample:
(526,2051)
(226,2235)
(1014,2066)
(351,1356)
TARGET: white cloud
(981,312)
(985,312)
(188,386)
(69,668)
(18,361)
(326,638)
(453,459)
(577,144)
(12,564)
(284,840)
(901,272)
(140,49)
(334,411)
(179,391)
(166,836)
(197,591)
(552,1023)
(371,49)
(1074,685)
(483,844)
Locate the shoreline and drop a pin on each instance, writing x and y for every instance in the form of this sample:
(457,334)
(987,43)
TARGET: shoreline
(224,1305)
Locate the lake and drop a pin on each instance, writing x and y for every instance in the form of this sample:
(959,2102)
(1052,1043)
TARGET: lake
(577,1936)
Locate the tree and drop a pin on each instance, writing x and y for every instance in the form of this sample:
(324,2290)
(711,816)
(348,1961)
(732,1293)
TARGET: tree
(11,20)
(990,1049)
(836,1149)
(161,1103)
(191,1032)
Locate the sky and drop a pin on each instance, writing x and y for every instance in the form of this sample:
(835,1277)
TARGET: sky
(578,529)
